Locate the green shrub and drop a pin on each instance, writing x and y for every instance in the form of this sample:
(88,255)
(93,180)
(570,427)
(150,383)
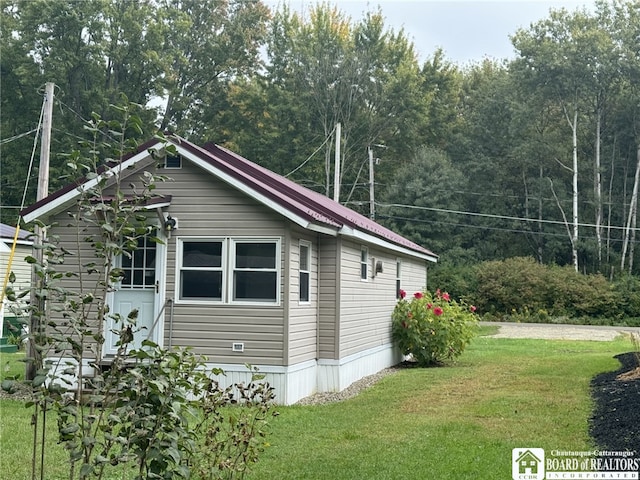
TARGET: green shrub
(432,328)
(454,278)
(529,291)
(627,290)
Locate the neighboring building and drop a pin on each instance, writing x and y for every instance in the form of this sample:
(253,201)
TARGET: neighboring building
(256,269)
(22,272)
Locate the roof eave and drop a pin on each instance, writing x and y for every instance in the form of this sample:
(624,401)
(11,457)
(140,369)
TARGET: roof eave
(371,239)
(59,203)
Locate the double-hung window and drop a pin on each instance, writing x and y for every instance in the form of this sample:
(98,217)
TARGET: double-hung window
(228,270)
(364,263)
(255,271)
(201,270)
(305,272)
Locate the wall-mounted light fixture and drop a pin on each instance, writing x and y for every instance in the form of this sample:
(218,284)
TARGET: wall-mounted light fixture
(378,266)
(170,224)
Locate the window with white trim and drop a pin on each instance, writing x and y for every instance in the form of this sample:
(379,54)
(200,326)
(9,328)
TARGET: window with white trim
(201,274)
(255,271)
(304,272)
(228,270)
(364,263)
(173,162)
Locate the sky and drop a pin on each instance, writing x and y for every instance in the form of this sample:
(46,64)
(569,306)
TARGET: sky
(467,30)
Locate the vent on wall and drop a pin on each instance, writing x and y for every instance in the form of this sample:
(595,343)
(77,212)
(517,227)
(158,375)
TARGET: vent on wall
(237,347)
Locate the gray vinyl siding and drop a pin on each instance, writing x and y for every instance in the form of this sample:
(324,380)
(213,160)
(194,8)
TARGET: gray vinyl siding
(366,306)
(66,232)
(329,284)
(20,268)
(303,323)
(206,207)
(413,275)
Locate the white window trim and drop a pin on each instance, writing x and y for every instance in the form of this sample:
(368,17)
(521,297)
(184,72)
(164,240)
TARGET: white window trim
(364,262)
(228,267)
(180,241)
(179,167)
(304,243)
(398,276)
(233,241)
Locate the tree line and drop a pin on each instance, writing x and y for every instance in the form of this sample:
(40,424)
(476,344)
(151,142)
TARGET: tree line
(538,155)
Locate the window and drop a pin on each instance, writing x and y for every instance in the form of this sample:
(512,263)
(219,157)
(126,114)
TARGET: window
(201,275)
(139,266)
(173,161)
(364,263)
(305,271)
(228,270)
(255,273)
(398,277)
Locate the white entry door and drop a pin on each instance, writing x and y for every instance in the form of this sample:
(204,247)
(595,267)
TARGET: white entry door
(139,290)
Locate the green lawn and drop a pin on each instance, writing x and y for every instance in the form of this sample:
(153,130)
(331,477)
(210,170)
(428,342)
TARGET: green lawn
(457,422)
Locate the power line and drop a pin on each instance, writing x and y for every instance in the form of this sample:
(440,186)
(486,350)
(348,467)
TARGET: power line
(311,156)
(497,229)
(500,217)
(16,137)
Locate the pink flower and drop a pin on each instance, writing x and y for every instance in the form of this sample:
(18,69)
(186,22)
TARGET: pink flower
(402,293)
(472,308)
(438,294)
(418,295)
(429,305)
(438,311)
(445,296)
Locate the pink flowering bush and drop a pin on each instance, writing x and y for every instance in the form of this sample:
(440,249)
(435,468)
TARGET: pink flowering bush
(432,328)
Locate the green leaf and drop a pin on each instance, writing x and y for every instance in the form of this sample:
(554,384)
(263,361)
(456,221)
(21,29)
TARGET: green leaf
(8,385)
(39,380)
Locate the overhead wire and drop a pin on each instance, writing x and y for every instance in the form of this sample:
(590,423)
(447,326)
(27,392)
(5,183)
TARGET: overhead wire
(33,153)
(500,217)
(496,229)
(311,156)
(16,137)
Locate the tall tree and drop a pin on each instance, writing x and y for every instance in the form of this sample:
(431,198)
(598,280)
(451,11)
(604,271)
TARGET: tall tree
(323,69)
(552,53)
(207,43)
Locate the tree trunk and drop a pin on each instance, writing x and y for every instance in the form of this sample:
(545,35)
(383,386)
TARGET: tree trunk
(633,206)
(540,224)
(610,201)
(597,188)
(574,243)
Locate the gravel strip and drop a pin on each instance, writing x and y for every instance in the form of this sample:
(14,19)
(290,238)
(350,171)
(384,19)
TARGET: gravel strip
(351,391)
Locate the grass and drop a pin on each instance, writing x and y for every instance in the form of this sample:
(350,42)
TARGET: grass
(457,422)
(13,366)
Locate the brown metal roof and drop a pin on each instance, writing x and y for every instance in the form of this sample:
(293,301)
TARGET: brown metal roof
(290,196)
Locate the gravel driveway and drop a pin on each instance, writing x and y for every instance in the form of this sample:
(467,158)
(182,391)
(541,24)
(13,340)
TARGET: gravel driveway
(548,331)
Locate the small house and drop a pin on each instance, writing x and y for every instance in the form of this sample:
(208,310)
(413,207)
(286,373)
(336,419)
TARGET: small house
(13,249)
(255,269)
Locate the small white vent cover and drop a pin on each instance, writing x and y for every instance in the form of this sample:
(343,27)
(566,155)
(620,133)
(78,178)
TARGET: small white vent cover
(237,347)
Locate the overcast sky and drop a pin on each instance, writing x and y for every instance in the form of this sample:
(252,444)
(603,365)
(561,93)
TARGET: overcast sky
(467,30)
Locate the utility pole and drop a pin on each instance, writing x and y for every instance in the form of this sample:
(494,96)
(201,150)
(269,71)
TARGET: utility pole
(336,173)
(372,182)
(43,190)
(45,148)
(372,195)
